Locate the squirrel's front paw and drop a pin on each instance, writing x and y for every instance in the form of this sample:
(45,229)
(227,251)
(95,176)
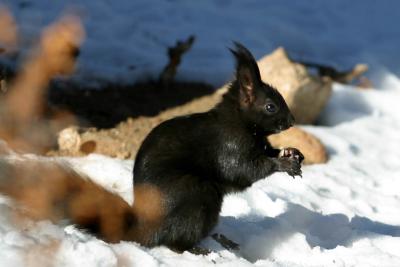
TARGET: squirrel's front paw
(291,165)
(291,152)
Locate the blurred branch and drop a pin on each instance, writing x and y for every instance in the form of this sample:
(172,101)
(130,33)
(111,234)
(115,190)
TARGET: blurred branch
(23,127)
(22,108)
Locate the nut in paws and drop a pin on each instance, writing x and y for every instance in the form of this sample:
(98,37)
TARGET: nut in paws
(291,152)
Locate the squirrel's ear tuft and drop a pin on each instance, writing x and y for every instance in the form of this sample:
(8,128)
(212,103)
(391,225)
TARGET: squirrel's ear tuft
(247,73)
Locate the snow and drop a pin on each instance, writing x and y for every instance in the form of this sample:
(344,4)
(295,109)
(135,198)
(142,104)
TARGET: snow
(343,213)
(127,41)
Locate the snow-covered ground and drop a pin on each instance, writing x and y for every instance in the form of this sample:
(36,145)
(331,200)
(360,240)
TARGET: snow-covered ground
(343,213)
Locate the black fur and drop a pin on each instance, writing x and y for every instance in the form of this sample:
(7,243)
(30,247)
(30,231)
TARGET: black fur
(195,160)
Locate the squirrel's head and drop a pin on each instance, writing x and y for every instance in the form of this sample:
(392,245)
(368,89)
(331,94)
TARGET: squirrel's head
(260,104)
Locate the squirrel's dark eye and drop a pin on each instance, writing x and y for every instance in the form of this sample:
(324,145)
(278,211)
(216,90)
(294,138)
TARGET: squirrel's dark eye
(271,108)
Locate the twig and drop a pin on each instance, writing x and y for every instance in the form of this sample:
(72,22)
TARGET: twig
(344,77)
(175,54)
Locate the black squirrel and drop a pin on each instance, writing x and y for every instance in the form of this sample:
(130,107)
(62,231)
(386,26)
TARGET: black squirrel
(182,171)
(194,160)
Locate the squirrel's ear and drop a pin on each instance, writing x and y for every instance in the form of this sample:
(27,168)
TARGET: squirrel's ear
(247,74)
(246,86)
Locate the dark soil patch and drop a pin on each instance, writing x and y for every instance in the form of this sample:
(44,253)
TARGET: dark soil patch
(106,107)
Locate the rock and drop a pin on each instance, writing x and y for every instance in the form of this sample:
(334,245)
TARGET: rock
(73,141)
(69,139)
(313,150)
(305,95)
